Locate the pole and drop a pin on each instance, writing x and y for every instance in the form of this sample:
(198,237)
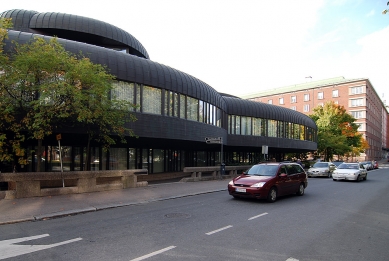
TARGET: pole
(222,165)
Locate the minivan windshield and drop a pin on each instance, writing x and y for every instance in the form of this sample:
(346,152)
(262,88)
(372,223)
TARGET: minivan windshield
(263,170)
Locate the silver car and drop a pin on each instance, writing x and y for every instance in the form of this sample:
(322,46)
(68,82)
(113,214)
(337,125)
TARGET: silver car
(321,169)
(350,171)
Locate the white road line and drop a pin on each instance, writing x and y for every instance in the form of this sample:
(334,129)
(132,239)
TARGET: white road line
(292,259)
(218,230)
(153,253)
(263,214)
(9,249)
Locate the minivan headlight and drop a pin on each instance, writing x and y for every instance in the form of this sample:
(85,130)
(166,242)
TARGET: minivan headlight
(258,185)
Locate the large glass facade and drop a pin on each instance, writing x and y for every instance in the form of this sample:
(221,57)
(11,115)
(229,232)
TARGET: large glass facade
(242,125)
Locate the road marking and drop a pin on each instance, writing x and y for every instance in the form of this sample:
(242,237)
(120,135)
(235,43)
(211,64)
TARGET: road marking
(263,214)
(8,249)
(153,253)
(292,259)
(218,230)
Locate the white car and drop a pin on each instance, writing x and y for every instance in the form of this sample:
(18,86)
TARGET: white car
(350,171)
(321,169)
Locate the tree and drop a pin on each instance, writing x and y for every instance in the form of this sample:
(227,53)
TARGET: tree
(337,131)
(43,88)
(386,10)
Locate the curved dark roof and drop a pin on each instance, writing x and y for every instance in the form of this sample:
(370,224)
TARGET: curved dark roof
(237,106)
(76,28)
(131,68)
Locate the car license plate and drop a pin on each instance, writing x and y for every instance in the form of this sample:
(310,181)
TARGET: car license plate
(240,190)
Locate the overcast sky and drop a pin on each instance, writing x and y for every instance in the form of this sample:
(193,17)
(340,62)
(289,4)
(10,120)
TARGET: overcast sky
(244,46)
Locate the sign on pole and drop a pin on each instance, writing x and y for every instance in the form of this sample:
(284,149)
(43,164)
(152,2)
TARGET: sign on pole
(210,140)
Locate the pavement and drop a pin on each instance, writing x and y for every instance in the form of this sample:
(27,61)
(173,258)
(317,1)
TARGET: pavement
(41,208)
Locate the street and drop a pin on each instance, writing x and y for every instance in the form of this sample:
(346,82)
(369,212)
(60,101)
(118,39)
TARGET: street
(340,220)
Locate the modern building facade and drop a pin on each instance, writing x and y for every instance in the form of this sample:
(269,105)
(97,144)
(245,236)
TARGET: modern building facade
(358,96)
(176,111)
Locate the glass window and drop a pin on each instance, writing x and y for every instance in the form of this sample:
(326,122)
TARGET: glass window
(306,107)
(132,158)
(158,160)
(182,106)
(117,158)
(237,125)
(293,108)
(202,108)
(281,129)
(192,108)
(320,95)
(281,100)
(335,93)
(272,128)
(357,114)
(270,101)
(357,90)
(123,91)
(151,100)
(293,99)
(246,125)
(356,102)
(257,122)
(306,97)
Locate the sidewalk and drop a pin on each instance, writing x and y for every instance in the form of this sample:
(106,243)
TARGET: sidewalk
(40,208)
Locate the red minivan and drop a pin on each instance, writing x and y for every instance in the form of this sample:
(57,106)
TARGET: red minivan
(269,181)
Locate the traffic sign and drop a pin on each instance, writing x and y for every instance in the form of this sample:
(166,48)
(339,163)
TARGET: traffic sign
(213,140)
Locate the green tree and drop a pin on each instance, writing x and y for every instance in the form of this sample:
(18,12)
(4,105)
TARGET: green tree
(337,131)
(386,10)
(44,87)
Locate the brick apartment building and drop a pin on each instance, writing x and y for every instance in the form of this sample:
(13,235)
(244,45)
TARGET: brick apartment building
(358,96)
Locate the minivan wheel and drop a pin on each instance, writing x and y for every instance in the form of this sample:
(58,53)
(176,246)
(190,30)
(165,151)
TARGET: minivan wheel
(300,191)
(272,196)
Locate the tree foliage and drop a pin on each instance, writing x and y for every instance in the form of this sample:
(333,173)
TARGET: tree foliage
(43,88)
(337,131)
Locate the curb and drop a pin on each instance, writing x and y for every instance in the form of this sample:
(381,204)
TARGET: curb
(102,207)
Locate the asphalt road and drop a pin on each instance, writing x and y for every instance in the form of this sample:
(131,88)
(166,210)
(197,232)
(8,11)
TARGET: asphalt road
(332,221)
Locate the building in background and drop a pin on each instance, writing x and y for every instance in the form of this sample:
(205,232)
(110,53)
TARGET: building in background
(176,112)
(358,96)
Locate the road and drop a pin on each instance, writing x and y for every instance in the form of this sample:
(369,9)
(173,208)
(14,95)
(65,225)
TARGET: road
(332,221)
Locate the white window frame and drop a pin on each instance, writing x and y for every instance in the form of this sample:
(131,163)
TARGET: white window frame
(293,99)
(306,107)
(306,97)
(270,101)
(281,101)
(320,95)
(335,93)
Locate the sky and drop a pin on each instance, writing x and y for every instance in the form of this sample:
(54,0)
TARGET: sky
(246,46)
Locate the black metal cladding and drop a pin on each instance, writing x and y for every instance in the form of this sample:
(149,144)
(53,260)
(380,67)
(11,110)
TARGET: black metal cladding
(247,108)
(75,27)
(132,68)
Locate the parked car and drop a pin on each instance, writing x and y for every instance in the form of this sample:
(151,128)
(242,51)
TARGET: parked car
(321,169)
(269,181)
(368,165)
(337,162)
(350,171)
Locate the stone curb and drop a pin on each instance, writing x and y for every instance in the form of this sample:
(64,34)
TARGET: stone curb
(102,207)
